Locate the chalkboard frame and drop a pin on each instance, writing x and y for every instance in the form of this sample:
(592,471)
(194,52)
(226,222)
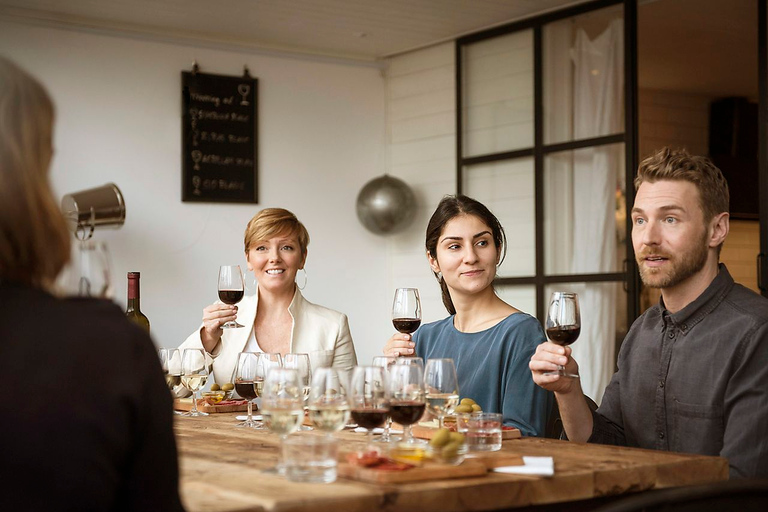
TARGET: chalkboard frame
(206,177)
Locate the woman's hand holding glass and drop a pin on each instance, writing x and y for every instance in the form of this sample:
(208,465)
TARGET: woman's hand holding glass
(328,401)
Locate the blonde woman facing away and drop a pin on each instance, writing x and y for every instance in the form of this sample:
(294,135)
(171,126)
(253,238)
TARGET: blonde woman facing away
(277,318)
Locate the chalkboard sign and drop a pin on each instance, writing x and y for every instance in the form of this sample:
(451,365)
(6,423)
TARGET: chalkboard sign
(218,138)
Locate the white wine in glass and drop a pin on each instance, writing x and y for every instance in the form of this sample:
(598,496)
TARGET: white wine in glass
(328,403)
(194,375)
(281,405)
(442,387)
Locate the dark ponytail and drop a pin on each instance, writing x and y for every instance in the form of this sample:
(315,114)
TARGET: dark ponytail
(449,208)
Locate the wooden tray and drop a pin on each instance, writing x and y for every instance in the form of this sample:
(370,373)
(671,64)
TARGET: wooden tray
(185,404)
(426,430)
(429,471)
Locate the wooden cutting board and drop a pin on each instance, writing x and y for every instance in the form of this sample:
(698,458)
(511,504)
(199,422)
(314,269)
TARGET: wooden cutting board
(429,471)
(426,431)
(185,404)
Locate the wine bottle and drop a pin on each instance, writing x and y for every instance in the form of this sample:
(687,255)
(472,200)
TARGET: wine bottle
(133,310)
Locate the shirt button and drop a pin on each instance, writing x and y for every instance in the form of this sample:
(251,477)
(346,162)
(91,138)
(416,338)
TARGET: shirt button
(661,383)
(685,327)
(671,334)
(661,435)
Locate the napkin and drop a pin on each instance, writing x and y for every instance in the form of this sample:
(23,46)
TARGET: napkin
(544,466)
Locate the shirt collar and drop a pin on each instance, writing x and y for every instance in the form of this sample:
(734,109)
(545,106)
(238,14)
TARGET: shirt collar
(694,312)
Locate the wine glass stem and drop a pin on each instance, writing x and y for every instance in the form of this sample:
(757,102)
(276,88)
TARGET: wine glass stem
(407,436)
(369,436)
(250,412)
(440,421)
(194,402)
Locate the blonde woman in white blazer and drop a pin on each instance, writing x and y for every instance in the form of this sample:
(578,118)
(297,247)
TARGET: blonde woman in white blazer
(277,318)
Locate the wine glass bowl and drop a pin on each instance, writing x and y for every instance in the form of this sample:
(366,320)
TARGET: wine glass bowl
(328,401)
(302,365)
(194,375)
(406,310)
(248,382)
(406,398)
(563,324)
(442,387)
(369,404)
(281,405)
(231,289)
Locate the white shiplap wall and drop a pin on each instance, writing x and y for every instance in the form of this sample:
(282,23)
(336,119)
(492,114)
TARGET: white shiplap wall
(421,100)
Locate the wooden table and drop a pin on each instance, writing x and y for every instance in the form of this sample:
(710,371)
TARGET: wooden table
(221,470)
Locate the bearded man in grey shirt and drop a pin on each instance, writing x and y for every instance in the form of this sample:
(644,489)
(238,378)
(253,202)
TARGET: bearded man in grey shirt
(693,370)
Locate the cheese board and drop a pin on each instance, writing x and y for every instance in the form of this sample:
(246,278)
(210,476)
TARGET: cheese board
(185,404)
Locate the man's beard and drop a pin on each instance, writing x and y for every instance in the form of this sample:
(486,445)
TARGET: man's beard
(679,268)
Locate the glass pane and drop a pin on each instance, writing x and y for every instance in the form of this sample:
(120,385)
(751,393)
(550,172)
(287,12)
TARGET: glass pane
(522,297)
(583,76)
(603,327)
(498,94)
(585,211)
(507,189)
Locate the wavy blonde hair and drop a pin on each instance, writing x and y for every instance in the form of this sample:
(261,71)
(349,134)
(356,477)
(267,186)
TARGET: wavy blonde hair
(271,222)
(34,240)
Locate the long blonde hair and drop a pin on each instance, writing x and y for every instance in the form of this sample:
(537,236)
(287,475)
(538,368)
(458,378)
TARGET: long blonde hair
(34,240)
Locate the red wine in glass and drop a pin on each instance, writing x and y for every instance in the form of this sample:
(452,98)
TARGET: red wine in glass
(406,325)
(246,389)
(563,323)
(564,335)
(231,297)
(406,412)
(369,418)
(231,289)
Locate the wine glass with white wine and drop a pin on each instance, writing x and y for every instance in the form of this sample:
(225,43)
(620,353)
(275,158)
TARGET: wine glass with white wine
(300,363)
(194,375)
(442,387)
(328,401)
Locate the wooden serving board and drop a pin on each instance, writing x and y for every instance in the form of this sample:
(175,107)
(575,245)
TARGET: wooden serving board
(425,431)
(185,404)
(429,471)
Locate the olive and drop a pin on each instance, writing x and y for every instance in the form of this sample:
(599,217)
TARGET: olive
(228,387)
(440,438)
(450,451)
(215,387)
(476,408)
(463,408)
(456,437)
(467,401)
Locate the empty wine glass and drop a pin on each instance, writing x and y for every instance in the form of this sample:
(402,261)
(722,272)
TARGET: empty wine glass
(231,289)
(406,397)
(170,361)
(281,405)
(414,360)
(563,324)
(328,401)
(368,399)
(248,382)
(385,362)
(194,374)
(406,310)
(300,363)
(267,361)
(442,387)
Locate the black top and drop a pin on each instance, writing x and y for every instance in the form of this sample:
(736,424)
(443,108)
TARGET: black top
(695,381)
(86,418)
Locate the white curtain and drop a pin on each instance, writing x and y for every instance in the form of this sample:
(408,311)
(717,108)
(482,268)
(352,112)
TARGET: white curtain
(587,181)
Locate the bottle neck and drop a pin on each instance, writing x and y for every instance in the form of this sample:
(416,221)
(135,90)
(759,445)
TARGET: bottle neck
(133,294)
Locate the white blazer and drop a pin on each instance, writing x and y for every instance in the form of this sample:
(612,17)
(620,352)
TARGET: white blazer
(320,332)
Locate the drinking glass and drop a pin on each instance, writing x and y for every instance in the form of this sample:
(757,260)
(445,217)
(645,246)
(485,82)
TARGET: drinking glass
(170,361)
(248,382)
(412,361)
(281,405)
(300,363)
(563,324)
(231,289)
(194,374)
(328,402)
(406,397)
(368,398)
(406,310)
(442,387)
(385,362)
(267,361)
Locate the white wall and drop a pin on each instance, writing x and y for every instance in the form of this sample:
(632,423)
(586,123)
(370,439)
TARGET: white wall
(321,129)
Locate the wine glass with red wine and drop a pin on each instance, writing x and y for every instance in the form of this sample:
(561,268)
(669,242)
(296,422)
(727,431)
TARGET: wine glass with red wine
(248,382)
(563,323)
(406,398)
(231,289)
(406,310)
(368,399)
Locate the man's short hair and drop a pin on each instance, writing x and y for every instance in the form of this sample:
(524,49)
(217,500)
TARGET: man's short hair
(679,165)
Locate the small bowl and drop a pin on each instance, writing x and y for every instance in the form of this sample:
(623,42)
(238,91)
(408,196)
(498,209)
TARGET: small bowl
(214,397)
(449,454)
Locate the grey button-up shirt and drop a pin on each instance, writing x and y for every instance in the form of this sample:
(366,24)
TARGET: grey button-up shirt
(695,381)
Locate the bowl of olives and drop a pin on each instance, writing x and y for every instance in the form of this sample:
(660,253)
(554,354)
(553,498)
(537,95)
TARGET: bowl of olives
(226,389)
(448,447)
